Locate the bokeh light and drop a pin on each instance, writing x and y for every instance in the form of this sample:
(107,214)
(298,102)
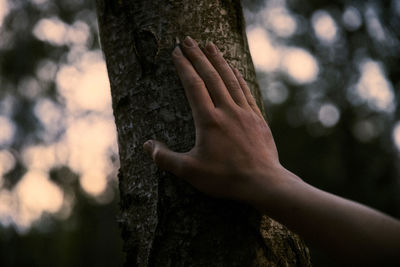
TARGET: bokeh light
(37,193)
(374,88)
(7,162)
(90,141)
(93,182)
(274,92)
(279,20)
(56,32)
(46,70)
(32,196)
(300,65)
(328,115)
(324,26)
(352,18)
(271,56)
(85,85)
(264,54)
(39,157)
(396,135)
(4,8)
(50,114)
(366,130)
(77,127)
(7,131)
(52,30)
(29,87)
(374,26)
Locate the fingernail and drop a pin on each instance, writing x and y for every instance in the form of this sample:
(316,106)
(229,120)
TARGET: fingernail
(177,51)
(211,49)
(188,41)
(148,146)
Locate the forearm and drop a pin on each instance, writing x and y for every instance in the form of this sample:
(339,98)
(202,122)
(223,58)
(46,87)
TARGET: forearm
(235,157)
(343,228)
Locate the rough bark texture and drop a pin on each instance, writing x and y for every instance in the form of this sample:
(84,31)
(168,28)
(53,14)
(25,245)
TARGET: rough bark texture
(164,221)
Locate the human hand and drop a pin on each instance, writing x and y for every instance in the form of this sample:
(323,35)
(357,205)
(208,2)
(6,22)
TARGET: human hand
(235,157)
(234,144)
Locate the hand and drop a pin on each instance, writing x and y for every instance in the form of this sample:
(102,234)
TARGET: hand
(233,141)
(235,157)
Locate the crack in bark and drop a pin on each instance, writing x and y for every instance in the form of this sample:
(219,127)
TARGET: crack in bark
(146,47)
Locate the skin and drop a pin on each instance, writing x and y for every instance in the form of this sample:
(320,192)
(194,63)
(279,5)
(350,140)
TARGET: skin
(227,118)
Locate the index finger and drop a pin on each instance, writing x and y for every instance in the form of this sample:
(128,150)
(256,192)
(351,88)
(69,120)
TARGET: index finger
(195,89)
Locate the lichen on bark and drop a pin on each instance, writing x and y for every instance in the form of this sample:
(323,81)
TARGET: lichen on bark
(164,221)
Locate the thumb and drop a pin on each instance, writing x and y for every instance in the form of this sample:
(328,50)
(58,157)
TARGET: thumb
(165,158)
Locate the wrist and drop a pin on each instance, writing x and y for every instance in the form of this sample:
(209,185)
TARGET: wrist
(270,188)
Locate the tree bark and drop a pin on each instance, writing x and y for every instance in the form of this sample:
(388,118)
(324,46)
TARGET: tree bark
(164,221)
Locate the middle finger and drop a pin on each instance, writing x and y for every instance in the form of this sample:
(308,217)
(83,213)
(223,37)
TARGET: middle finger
(207,72)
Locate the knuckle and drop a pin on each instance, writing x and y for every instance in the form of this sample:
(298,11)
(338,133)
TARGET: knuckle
(217,58)
(212,120)
(233,85)
(253,105)
(238,112)
(241,115)
(220,63)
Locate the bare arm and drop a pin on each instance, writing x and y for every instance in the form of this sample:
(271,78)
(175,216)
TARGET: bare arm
(235,157)
(348,231)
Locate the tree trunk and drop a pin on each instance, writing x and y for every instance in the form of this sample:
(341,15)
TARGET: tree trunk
(164,221)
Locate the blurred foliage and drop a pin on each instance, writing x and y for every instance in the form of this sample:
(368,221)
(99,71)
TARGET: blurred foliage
(356,157)
(352,155)
(336,158)
(89,235)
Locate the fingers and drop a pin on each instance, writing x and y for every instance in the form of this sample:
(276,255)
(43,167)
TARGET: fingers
(226,74)
(209,81)
(165,158)
(212,79)
(246,91)
(195,89)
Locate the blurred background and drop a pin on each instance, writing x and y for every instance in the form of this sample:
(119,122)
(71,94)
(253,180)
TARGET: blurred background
(329,80)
